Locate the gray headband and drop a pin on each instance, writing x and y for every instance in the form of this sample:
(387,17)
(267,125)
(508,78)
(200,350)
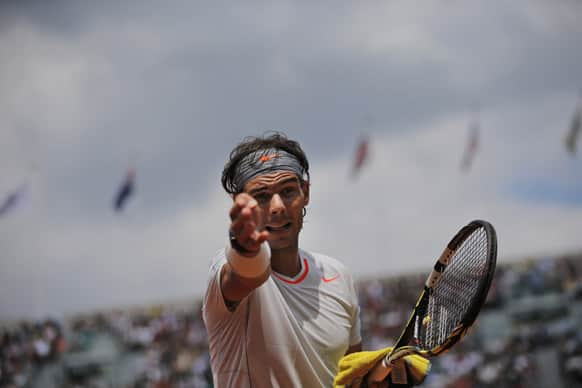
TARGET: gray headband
(265,162)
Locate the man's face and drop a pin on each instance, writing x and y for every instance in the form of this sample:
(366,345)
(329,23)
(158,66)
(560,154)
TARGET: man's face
(281,198)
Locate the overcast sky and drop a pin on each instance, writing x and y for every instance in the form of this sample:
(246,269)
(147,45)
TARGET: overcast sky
(89,89)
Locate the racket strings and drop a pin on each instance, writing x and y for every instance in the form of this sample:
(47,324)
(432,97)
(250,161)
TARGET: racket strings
(455,291)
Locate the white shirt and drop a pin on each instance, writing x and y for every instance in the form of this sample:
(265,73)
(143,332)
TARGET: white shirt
(289,332)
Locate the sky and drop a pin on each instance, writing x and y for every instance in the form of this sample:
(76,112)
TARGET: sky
(89,90)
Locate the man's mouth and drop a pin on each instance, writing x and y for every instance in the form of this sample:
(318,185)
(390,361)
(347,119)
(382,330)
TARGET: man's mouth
(278,228)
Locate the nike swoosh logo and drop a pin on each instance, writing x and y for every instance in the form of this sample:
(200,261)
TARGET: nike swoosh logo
(266,158)
(329,280)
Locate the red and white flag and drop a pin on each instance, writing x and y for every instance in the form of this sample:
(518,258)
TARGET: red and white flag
(362,155)
(472,147)
(574,132)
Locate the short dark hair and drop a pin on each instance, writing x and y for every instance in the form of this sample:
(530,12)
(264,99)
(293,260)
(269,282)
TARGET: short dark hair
(256,143)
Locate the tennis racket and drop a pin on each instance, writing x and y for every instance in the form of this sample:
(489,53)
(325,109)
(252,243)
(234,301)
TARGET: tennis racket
(452,297)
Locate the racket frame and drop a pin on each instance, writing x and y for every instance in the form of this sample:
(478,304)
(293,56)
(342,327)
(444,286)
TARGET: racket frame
(411,330)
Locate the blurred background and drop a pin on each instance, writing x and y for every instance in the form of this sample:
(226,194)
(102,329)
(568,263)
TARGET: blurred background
(417,117)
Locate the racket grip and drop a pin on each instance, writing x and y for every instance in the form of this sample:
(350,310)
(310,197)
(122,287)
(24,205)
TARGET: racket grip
(380,371)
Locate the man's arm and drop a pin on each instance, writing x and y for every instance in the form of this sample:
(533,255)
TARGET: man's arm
(235,288)
(246,268)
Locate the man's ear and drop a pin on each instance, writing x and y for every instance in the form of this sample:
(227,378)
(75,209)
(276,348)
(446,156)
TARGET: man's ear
(305,188)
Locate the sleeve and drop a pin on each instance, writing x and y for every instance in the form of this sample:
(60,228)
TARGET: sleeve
(214,308)
(225,328)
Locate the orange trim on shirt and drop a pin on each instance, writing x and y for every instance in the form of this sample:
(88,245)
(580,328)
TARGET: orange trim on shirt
(299,279)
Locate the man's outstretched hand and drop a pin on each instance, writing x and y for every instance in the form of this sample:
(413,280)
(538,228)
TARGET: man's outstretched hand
(246,225)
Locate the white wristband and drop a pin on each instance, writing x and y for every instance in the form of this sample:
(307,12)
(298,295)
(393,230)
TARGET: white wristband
(249,267)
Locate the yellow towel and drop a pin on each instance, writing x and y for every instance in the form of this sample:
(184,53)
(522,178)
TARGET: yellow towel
(357,365)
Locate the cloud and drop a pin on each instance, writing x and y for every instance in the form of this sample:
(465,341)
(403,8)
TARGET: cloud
(59,266)
(413,197)
(88,91)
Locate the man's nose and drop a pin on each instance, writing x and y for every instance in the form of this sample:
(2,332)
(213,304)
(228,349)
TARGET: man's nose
(277,205)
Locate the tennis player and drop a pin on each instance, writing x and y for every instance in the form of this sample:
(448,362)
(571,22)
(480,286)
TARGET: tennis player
(276,315)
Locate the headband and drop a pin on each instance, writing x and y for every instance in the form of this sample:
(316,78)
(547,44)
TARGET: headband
(263,162)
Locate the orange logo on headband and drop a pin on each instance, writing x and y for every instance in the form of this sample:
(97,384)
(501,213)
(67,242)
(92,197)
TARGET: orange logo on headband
(266,158)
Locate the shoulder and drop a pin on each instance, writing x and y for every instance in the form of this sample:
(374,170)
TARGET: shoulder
(335,275)
(326,263)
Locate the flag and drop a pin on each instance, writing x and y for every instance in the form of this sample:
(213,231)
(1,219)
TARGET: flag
(572,136)
(125,191)
(362,154)
(472,146)
(11,200)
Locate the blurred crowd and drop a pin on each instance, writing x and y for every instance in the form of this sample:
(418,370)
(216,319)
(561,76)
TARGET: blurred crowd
(173,344)
(25,347)
(157,347)
(528,335)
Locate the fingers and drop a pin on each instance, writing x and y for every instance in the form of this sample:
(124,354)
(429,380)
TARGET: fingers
(243,224)
(379,372)
(376,378)
(262,236)
(380,384)
(246,217)
(241,202)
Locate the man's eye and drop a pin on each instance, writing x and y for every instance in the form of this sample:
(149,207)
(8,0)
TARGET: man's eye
(262,198)
(289,191)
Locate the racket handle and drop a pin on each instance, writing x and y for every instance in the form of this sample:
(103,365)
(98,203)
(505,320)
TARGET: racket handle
(380,371)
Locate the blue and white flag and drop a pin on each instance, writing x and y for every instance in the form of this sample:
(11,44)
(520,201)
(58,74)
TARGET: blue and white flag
(11,200)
